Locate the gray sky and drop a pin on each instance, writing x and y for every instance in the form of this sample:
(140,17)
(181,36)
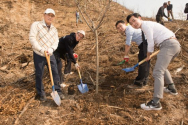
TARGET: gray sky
(149,8)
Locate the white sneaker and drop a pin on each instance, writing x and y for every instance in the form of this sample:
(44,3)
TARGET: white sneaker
(151,106)
(63,85)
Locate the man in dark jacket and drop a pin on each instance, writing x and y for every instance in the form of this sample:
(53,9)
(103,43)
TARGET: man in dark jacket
(65,51)
(161,13)
(186,10)
(169,9)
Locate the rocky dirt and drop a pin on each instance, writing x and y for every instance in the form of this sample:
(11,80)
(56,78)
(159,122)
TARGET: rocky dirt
(115,103)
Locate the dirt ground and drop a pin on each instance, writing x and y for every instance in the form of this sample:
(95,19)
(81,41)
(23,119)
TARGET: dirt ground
(115,103)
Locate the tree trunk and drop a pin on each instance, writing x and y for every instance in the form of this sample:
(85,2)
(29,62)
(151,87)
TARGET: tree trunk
(97,60)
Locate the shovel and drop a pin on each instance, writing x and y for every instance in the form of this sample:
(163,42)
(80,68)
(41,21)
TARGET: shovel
(82,87)
(132,68)
(54,93)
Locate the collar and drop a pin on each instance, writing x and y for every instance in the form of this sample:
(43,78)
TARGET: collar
(44,24)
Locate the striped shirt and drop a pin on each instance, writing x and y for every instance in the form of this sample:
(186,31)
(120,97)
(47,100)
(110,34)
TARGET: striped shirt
(134,35)
(42,37)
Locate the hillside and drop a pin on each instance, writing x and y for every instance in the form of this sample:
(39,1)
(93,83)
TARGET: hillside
(115,103)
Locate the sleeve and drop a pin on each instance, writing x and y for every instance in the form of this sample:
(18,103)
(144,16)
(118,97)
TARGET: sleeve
(56,42)
(69,49)
(149,35)
(129,35)
(163,13)
(33,37)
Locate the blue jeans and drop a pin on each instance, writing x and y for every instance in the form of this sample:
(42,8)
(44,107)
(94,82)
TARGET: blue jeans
(39,63)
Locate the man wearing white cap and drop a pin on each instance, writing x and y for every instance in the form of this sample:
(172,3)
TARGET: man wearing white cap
(65,51)
(44,38)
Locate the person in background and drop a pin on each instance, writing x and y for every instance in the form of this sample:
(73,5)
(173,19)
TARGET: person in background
(65,51)
(160,14)
(169,9)
(169,49)
(186,10)
(78,18)
(138,37)
(44,38)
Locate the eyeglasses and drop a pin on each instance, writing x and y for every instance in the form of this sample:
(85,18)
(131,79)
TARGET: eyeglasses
(50,15)
(80,36)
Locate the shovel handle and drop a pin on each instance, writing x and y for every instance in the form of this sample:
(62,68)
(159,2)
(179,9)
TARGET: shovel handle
(79,74)
(153,54)
(49,67)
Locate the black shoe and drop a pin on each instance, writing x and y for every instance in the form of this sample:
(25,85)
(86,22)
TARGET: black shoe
(40,97)
(151,106)
(136,85)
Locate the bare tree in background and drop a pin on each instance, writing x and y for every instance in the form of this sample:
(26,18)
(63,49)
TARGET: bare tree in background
(90,21)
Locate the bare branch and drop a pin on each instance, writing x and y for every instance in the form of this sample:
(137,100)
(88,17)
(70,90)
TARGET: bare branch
(77,4)
(107,7)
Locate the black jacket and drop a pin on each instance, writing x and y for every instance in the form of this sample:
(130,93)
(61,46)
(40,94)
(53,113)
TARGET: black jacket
(66,45)
(186,8)
(169,7)
(161,12)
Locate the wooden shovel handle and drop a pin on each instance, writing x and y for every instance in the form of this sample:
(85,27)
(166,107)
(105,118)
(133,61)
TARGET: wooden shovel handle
(79,73)
(49,67)
(153,54)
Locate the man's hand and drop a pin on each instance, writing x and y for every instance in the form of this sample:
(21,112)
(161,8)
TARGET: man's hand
(126,58)
(148,56)
(77,66)
(75,55)
(42,51)
(50,51)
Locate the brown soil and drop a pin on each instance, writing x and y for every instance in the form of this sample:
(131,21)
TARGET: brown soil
(114,104)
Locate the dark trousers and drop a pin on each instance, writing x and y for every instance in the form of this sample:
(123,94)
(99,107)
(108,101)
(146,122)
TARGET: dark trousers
(59,67)
(67,64)
(143,69)
(39,63)
(159,19)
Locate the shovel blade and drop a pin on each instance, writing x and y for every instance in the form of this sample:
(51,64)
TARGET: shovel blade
(56,97)
(128,69)
(83,88)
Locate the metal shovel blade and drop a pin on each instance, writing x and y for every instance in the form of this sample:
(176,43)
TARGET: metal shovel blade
(128,69)
(56,97)
(83,88)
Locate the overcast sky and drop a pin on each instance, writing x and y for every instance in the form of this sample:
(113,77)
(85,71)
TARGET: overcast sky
(149,8)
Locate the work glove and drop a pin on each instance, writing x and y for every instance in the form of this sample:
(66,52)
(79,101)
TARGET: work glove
(126,58)
(76,65)
(50,51)
(75,55)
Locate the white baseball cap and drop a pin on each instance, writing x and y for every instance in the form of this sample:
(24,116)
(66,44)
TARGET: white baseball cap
(82,32)
(49,10)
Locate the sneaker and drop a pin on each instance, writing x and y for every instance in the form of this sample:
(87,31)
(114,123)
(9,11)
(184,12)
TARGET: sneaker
(40,97)
(134,86)
(151,106)
(63,85)
(171,91)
